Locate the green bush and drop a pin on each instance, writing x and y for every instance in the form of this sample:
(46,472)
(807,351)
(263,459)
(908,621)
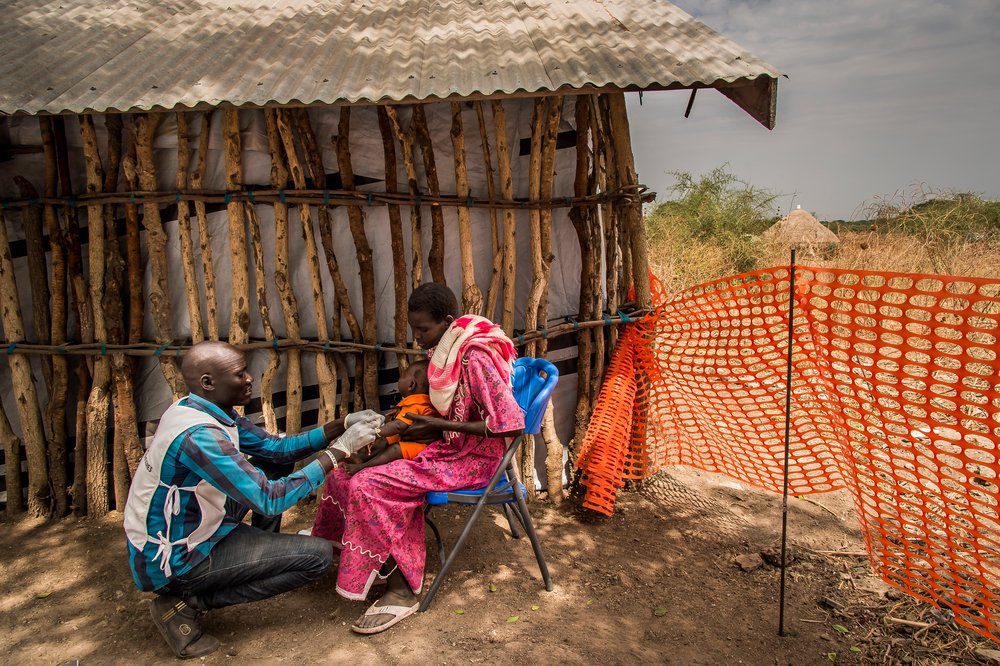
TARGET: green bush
(712,226)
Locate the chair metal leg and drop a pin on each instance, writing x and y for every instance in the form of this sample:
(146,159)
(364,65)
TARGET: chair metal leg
(457,548)
(514,533)
(529,527)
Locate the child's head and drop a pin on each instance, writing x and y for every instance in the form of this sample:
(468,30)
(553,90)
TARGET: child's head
(413,379)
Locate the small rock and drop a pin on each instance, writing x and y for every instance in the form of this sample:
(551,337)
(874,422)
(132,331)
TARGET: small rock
(232,652)
(989,656)
(119,594)
(772,555)
(749,562)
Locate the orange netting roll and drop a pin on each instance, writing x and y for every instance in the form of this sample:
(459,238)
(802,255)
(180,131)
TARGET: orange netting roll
(895,394)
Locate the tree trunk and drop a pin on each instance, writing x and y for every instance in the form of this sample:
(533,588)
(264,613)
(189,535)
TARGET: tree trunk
(395,237)
(184,230)
(55,410)
(156,246)
(509,226)
(239,320)
(273,361)
(23,386)
(406,140)
(472,297)
(496,243)
(364,252)
(99,400)
(435,257)
(204,238)
(286,295)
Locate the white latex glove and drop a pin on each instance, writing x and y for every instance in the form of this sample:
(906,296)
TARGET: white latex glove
(357,437)
(363,415)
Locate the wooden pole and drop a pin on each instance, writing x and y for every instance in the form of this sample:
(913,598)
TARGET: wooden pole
(435,257)
(625,163)
(204,237)
(509,226)
(324,373)
(74,271)
(406,140)
(546,186)
(239,318)
(395,237)
(580,216)
(38,276)
(23,386)
(341,299)
(282,282)
(472,297)
(99,400)
(184,229)
(527,451)
(356,220)
(12,460)
(267,379)
(609,226)
(156,246)
(55,409)
(123,367)
(125,442)
(496,246)
(535,222)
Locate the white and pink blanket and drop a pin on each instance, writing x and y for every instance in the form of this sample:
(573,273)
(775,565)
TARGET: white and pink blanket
(467,332)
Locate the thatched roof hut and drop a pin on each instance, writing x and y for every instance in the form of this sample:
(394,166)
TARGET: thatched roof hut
(801,230)
(281,175)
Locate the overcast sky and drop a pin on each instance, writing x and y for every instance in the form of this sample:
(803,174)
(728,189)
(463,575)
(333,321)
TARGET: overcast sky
(882,97)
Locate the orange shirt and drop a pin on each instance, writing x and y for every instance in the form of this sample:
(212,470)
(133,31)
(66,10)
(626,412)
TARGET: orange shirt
(418,403)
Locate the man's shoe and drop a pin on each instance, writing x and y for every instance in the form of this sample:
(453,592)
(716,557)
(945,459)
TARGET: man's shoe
(179,625)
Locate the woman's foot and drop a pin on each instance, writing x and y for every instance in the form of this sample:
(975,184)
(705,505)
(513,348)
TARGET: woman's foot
(397,603)
(385,612)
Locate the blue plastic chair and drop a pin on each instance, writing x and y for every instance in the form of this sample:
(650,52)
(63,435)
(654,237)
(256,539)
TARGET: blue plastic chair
(533,380)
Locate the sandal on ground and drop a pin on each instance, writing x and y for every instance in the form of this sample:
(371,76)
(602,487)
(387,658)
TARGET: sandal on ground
(398,614)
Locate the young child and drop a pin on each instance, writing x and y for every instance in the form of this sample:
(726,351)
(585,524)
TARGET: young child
(415,389)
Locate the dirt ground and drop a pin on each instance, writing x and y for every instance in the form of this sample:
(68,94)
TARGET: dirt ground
(674,577)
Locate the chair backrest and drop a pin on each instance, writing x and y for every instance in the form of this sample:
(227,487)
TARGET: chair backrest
(533,381)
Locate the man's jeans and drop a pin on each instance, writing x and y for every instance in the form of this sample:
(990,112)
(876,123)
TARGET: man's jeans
(249,564)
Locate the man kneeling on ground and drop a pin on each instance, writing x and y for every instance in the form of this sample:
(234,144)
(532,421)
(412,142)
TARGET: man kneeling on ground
(194,485)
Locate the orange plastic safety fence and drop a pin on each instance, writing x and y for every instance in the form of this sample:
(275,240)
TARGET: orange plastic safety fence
(895,394)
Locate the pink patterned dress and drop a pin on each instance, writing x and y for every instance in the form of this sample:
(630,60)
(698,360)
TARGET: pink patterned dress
(379,511)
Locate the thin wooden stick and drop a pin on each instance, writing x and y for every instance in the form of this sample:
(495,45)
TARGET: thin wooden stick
(12,455)
(509,226)
(184,229)
(607,226)
(125,441)
(273,361)
(74,272)
(546,186)
(435,257)
(580,217)
(282,282)
(55,410)
(38,277)
(324,373)
(395,236)
(239,318)
(156,246)
(356,219)
(634,224)
(99,400)
(493,291)
(23,386)
(204,237)
(406,140)
(472,297)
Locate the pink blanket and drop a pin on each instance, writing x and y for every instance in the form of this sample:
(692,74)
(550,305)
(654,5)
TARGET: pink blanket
(466,332)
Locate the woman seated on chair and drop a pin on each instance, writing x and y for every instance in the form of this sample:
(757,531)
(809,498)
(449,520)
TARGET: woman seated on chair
(376,516)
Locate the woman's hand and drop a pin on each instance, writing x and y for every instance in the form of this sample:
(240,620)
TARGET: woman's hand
(425,429)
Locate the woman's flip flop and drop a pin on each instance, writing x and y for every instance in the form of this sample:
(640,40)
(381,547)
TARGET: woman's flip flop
(398,613)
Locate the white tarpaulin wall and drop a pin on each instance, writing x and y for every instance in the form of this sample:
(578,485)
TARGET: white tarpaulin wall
(368,164)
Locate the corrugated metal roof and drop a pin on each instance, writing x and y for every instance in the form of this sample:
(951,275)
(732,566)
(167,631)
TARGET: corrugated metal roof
(74,56)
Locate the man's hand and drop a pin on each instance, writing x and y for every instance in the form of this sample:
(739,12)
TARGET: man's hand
(363,415)
(424,429)
(358,436)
